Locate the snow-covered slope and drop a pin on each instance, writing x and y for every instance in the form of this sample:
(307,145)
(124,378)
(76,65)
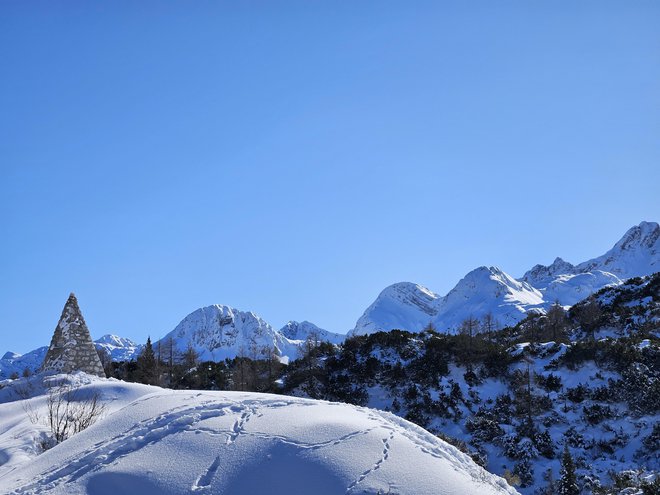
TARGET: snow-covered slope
(489,290)
(402,305)
(172,442)
(295,330)
(484,290)
(217,332)
(17,363)
(637,254)
(119,348)
(569,289)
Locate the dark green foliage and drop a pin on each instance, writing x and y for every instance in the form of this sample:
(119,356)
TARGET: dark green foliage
(652,442)
(577,394)
(483,427)
(567,484)
(147,369)
(544,444)
(596,413)
(550,383)
(523,469)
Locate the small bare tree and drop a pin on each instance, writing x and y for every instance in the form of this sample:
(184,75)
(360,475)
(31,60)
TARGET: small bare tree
(71,410)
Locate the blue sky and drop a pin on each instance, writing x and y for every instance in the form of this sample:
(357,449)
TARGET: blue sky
(293,160)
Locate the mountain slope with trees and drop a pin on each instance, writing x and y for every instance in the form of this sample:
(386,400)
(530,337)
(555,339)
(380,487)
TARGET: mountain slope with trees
(559,400)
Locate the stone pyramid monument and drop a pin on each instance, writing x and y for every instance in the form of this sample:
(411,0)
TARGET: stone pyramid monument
(71,348)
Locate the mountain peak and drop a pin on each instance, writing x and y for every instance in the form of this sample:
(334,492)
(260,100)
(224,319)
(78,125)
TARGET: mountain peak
(636,254)
(217,332)
(540,275)
(402,305)
(643,235)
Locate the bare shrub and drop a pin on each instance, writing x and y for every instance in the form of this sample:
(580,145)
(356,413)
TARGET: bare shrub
(71,410)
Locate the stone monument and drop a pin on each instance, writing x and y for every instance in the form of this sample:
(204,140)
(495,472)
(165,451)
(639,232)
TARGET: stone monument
(71,348)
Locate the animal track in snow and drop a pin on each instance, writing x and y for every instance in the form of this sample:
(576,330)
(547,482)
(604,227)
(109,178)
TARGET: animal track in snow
(386,453)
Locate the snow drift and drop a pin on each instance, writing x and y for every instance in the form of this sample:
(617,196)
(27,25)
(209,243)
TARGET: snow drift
(173,442)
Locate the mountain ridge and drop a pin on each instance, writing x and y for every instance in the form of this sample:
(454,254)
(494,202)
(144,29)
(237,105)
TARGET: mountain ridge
(225,332)
(492,291)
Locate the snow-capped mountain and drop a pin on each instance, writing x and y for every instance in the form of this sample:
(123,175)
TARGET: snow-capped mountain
(303,330)
(489,290)
(217,332)
(12,362)
(119,348)
(483,290)
(637,254)
(542,275)
(400,305)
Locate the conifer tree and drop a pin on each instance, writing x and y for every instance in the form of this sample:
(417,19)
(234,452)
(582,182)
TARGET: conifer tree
(567,484)
(146,362)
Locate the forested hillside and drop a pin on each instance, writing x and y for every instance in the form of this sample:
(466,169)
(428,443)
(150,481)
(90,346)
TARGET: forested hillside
(586,380)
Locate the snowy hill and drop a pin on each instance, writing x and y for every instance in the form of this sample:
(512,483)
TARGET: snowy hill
(155,441)
(218,332)
(489,290)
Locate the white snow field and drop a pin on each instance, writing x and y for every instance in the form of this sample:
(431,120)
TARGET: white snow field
(157,441)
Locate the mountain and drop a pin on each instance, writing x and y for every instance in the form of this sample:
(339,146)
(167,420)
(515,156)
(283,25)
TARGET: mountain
(487,290)
(635,255)
(217,332)
(490,290)
(156,441)
(12,362)
(119,348)
(304,330)
(483,290)
(587,378)
(401,305)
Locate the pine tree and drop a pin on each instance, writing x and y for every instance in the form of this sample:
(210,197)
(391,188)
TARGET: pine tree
(146,362)
(567,484)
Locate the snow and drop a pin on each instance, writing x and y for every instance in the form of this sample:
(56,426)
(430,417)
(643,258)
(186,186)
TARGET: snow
(156,441)
(636,254)
(217,332)
(490,290)
(400,306)
(119,348)
(17,363)
(294,330)
(487,290)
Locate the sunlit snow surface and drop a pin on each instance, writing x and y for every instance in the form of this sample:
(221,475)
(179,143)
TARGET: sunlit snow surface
(156,441)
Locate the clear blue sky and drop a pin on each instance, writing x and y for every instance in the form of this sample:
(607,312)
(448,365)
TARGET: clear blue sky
(294,158)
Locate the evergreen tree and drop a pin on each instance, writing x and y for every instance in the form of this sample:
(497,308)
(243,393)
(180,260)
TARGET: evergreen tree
(146,363)
(567,484)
